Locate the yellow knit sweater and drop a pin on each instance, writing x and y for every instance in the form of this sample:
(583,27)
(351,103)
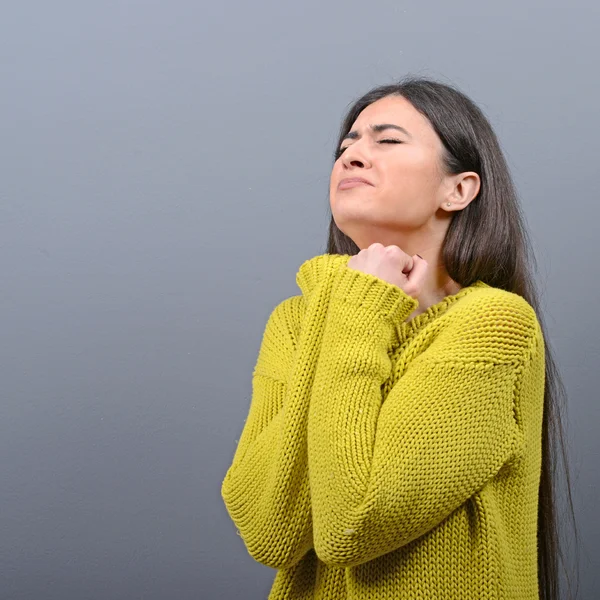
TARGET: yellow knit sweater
(389,459)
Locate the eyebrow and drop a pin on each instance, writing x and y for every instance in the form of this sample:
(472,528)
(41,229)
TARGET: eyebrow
(377,128)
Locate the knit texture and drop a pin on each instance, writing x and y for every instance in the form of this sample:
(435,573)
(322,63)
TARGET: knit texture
(390,459)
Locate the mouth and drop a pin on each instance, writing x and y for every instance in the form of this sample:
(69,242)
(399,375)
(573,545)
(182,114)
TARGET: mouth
(352,182)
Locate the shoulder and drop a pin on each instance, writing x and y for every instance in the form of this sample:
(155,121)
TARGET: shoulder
(491,325)
(289,311)
(495,302)
(280,339)
(285,319)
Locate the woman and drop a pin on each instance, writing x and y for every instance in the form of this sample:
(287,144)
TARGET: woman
(398,442)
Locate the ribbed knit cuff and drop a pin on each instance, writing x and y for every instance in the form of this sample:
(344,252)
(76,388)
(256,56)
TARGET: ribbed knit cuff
(314,270)
(381,297)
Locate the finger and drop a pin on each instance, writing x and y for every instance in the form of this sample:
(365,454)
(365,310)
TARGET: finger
(409,264)
(419,269)
(399,255)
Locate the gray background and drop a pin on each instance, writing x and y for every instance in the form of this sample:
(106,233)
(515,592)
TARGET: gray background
(164,172)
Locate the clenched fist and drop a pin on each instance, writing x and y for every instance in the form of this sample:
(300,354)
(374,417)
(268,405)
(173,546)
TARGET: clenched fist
(393,265)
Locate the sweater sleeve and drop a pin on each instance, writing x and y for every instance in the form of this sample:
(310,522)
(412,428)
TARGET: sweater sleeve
(266,490)
(386,471)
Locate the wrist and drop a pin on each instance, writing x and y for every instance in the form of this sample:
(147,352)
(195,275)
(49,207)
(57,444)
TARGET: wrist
(374,294)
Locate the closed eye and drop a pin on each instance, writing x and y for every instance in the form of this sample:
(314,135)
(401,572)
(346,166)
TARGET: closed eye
(387,141)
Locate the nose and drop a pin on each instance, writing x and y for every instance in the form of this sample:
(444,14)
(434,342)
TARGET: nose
(355,155)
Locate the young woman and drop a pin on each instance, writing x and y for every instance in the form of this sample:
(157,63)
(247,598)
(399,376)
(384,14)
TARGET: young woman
(404,407)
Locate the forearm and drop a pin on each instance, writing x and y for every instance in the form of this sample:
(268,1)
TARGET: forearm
(266,489)
(345,405)
(384,471)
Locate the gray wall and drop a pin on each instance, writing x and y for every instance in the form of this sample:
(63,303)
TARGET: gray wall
(164,171)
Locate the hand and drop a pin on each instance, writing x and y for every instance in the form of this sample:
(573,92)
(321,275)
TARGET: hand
(393,265)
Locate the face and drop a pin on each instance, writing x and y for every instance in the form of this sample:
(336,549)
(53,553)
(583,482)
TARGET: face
(407,187)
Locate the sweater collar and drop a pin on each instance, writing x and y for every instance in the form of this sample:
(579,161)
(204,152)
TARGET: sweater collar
(407,328)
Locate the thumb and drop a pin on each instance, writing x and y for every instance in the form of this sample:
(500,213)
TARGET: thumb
(417,273)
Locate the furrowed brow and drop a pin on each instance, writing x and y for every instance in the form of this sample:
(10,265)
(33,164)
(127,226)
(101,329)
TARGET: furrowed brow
(352,135)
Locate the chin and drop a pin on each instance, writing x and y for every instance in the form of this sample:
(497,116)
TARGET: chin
(350,208)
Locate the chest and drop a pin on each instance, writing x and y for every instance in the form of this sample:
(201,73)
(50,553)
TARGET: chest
(412,344)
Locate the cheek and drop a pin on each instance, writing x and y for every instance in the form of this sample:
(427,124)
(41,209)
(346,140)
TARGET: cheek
(407,194)
(410,180)
(331,195)
(336,175)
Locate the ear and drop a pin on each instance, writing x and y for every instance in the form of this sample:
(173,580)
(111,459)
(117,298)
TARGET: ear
(466,187)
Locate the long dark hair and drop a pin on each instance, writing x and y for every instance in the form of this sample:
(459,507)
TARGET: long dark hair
(487,240)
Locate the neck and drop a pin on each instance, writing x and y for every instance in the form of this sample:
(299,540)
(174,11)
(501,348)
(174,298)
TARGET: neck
(427,241)
(438,284)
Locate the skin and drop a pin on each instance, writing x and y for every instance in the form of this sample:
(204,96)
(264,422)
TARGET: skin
(406,205)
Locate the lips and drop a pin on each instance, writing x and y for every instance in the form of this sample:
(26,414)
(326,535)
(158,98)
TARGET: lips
(352,182)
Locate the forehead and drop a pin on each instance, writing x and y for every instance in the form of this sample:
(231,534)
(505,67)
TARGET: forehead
(397,110)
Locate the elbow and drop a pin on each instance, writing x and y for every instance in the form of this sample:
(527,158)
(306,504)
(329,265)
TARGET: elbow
(356,546)
(341,558)
(335,560)
(269,539)
(276,557)
(271,551)
(346,550)
(341,543)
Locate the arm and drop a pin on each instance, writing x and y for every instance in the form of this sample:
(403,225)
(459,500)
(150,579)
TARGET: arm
(384,473)
(266,489)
